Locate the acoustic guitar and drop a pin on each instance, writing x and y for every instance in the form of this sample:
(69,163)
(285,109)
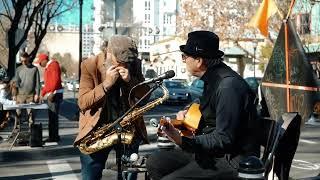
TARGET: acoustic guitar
(188,126)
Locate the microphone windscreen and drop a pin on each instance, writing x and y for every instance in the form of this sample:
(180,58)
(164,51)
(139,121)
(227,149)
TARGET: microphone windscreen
(134,157)
(154,122)
(170,73)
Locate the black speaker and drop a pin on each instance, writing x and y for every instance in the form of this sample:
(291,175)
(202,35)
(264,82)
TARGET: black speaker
(36,135)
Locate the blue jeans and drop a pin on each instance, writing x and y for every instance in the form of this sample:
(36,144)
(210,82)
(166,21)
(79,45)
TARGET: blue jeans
(92,165)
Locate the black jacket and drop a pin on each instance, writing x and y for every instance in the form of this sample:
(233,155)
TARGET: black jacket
(228,124)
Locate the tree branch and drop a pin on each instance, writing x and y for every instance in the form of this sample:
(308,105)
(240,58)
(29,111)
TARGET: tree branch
(13,2)
(30,23)
(5,15)
(7,8)
(54,14)
(26,17)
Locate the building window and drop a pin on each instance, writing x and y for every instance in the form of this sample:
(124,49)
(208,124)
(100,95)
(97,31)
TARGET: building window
(146,31)
(147,5)
(146,18)
(303,23)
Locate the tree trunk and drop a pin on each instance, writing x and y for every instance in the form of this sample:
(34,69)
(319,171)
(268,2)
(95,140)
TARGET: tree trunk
(241,65)
(12,53)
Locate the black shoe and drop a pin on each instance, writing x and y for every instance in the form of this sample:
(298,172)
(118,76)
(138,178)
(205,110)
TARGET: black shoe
(57,139)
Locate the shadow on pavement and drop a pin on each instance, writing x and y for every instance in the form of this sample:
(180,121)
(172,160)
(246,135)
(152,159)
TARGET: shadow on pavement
(63,149)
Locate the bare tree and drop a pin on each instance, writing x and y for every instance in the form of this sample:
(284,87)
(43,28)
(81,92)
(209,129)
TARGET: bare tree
(32,17)
(229,20)
(68,66)
(3,45)
(226,18)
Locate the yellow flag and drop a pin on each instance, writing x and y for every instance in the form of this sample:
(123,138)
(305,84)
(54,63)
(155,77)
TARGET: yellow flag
(260,19)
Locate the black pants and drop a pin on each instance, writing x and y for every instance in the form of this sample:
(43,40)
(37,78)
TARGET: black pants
(53,112)
(178,165)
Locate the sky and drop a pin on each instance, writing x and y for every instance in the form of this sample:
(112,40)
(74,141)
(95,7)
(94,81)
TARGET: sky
(72,16)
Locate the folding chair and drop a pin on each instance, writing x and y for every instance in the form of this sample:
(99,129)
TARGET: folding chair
(281,145)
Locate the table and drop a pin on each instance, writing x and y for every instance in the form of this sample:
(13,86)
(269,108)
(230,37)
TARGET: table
(25,106)
(41,106)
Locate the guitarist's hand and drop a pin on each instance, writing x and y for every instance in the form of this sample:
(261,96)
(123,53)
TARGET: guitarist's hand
(181,114)
(172,133)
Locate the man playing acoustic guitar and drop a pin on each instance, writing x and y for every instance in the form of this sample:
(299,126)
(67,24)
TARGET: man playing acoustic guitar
(227,130)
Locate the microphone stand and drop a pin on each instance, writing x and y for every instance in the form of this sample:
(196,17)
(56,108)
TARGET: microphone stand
(119,129)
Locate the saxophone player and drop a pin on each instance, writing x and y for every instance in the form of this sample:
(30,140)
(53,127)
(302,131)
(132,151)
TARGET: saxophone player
(105,83)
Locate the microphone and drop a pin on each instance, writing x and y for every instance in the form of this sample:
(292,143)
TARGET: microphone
(166,75)
(154,122)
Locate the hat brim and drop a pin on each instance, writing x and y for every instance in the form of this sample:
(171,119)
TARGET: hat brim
(182,48)
(218,54)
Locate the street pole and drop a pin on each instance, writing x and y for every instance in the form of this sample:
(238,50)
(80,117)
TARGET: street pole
(254,61)
(114,17)
(76,116)
(80,38)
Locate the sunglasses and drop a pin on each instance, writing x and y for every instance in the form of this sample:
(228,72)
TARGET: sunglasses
(184,57)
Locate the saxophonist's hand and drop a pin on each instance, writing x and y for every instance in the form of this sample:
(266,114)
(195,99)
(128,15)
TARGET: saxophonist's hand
(124,73)
(112,75)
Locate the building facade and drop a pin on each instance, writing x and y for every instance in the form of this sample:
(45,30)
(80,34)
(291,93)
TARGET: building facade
(145,20)
(306,16)
(59,37)
(111,17)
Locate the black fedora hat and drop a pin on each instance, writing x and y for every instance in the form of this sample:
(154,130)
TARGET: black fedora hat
(202,44)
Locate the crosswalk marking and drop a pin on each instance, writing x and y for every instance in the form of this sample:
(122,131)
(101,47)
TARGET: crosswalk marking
(60,169)
(308,141)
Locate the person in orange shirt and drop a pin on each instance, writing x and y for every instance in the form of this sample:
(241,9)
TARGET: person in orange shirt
(54,92)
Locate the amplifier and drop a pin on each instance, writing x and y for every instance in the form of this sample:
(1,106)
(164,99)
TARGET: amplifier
(36,135)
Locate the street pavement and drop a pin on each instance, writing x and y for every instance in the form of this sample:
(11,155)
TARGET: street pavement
(61,160)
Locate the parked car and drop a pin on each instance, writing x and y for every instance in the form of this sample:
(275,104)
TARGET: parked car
(73,85)
(178,92)
(196,89)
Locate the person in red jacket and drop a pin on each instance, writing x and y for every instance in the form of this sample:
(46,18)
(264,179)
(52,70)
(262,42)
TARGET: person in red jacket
(53,91)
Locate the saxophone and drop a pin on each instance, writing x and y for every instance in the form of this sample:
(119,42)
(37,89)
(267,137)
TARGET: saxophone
(106,136)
